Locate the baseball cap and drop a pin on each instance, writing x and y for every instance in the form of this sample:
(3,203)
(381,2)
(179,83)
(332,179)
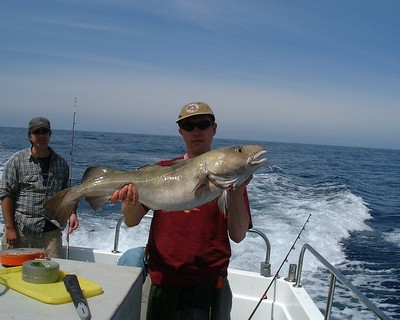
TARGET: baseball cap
(195,109)
(38,122)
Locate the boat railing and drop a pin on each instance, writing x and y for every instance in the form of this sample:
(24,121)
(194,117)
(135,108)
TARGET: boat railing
(116,237)
(117,230)
(336,275)
(265,268)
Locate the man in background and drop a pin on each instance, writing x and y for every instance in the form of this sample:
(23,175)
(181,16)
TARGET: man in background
(30,177)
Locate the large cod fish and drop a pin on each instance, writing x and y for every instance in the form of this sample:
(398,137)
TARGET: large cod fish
(183,185)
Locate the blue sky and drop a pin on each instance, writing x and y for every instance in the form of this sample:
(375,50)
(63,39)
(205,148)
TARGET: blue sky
(320,72)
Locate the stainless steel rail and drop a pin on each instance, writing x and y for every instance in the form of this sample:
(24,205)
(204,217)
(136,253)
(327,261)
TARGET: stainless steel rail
(336,275)
(116,238)
(117,229)
(265,268)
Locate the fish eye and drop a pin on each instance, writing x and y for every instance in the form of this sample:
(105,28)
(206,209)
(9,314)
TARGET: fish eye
(239,149)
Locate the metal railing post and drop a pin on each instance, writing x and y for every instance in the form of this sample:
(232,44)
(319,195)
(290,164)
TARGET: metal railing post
(116,238)
(265,268)
(331,293)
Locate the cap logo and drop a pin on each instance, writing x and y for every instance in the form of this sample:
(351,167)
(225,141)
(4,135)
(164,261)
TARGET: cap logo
(192,108)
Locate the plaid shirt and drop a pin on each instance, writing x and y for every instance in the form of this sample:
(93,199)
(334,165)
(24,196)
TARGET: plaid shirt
(22,181)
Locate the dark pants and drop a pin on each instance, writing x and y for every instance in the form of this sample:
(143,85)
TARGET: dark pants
(200,302)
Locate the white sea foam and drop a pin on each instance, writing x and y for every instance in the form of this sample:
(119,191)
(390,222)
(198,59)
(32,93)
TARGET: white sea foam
(393,236)
(280,208)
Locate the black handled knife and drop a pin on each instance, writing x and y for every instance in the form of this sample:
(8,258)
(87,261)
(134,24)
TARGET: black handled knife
(72,284)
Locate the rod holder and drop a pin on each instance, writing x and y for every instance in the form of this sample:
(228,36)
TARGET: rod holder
(292,273)
(265,269)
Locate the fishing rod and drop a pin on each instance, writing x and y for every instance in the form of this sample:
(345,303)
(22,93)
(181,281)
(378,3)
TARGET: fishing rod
(71,152)
(264,296)
(71,158)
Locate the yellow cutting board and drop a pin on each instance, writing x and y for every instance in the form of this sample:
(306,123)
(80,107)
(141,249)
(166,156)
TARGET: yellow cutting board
(52,293)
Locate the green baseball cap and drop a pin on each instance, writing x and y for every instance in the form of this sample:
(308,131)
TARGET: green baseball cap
(39,122)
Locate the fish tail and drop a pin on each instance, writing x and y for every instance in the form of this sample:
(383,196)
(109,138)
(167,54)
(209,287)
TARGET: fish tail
(59,207)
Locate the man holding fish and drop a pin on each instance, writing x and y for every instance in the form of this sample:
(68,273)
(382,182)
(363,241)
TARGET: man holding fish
(189,250)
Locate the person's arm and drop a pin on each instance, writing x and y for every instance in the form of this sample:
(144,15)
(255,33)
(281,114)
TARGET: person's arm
(8,213)
(238,215)
(132,210)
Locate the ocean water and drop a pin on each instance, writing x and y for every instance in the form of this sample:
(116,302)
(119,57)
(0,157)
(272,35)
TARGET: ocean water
(352,194)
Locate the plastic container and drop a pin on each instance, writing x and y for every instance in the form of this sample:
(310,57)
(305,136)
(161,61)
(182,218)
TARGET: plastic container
(16,257)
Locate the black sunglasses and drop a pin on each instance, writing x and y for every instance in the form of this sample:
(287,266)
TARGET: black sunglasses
(202,125)
(41,131)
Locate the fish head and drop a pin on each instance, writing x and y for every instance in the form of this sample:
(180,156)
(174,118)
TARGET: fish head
(236,163)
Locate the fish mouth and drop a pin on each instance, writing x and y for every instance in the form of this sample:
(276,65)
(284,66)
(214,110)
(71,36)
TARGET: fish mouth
(255,159)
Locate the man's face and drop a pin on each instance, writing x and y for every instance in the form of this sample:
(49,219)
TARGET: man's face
(197,133)
(40,137)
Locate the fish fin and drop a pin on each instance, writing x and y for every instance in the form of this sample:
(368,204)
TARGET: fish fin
(59,209)
(96,202)
(201,187)
(223,202)
(223,182)
(220,181)
(93,173)
(145,166)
